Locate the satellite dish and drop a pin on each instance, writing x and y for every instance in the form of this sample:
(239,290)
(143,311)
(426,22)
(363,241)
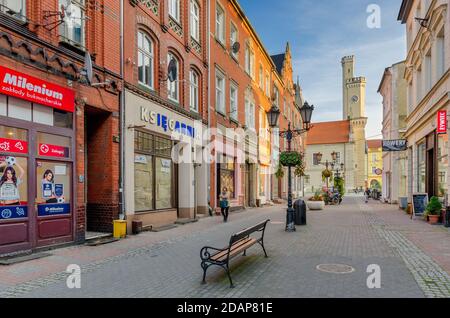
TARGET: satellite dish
(172,70)
(236,47)
(87,70)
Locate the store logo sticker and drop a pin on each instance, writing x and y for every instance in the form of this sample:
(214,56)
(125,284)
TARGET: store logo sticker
(6,214)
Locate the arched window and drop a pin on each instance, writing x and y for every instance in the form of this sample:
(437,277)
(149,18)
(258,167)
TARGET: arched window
(145,60)
(173,89)
(194,95)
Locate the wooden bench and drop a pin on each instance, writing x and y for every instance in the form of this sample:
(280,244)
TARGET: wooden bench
(239,243)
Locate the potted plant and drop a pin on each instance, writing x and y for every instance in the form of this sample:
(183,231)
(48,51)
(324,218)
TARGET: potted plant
(316,203)
(433,211)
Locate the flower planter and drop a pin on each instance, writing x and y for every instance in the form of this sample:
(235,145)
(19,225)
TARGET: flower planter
(433,219)
(315,205)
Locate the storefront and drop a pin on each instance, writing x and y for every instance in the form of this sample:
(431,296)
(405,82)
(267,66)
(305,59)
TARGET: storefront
(162,185)
(37,159)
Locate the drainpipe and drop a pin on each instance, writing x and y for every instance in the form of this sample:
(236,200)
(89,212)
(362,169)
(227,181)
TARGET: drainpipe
(122,215)
(208,37)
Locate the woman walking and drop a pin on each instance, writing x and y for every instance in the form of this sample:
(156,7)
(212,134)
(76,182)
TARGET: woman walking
(224,204)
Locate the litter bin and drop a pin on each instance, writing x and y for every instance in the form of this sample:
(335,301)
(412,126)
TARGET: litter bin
(447,217)
(300,212)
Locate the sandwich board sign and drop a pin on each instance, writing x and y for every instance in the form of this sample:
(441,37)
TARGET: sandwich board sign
(419,204)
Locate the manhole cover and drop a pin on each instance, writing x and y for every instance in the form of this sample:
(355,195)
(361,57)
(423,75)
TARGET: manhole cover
(335,268)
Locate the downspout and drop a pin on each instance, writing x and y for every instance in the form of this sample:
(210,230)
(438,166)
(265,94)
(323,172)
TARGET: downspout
(122,215)
(208,37)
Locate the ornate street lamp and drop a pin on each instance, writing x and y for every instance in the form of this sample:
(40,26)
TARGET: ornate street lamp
(273,116)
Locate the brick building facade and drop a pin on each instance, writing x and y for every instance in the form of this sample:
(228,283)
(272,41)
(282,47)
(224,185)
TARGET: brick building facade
(38,44)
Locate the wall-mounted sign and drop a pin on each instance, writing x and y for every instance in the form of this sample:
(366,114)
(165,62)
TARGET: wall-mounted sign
(48,150)
(35,90)
(378,172)
(166,123)
(395,145)
(15,212)
(53,209)
(442,122)
(12,145)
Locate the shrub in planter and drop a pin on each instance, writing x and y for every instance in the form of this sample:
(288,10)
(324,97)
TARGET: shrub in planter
(433,211)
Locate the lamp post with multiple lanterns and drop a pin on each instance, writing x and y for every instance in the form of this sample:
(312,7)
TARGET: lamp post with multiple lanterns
(335,167)
(273,115)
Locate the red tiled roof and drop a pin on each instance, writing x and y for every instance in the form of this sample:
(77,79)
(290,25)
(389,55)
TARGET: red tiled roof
(374,144)
(333,132)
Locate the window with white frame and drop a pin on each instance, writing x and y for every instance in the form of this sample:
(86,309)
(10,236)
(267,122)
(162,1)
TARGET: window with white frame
(249,114)
(220,24)
(174,9)
(72,30)
(195,21)
(234,101)
(252,64)
(247,58)
(220,92)
(194,90)
(440,54)
(234,37)
(15,8)
(173,87)
(276,96)
(145,60)
(267,84)
(427,72)
(261,77)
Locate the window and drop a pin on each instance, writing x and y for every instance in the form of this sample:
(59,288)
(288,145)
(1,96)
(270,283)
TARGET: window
(316,161)
(276,96)
(307,180)
(419,86)
(374,157)
(220,92)
(174,9)
(15,8)
(234,37)
(442,159)
(440,54)
(427,72)
(261,77)
(173,87)
(249,61)
(338,158)
(193,91)
(153,173)
(220,24)
(267,84)
(145,60)
(234,102)
(72,30)
(250,114)
(195,21)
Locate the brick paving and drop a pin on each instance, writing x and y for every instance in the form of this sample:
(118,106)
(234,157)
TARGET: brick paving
(167,264)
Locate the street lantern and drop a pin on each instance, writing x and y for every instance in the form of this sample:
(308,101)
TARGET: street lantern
(342,166)
(273,115)
(319,157)
(306,113)
(334,155)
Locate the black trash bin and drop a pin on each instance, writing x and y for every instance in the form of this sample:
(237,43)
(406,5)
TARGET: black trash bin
(300,212)
(447,217)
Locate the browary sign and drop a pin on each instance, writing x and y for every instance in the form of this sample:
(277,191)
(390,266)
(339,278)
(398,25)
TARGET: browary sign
(394,145)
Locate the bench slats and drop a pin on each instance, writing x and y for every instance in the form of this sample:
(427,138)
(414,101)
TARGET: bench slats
(236,249)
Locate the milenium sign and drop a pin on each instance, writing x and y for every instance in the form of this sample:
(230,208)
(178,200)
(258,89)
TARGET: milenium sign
(35,90)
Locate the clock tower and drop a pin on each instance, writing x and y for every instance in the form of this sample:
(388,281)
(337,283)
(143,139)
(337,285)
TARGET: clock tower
(354,101)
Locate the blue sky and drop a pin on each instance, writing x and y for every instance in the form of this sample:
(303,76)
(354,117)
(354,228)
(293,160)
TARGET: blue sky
(322,32)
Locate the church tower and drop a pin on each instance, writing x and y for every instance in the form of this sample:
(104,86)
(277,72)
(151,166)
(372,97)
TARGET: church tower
(354,101)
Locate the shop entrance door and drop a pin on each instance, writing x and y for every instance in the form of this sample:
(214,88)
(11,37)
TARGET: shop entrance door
(431,180)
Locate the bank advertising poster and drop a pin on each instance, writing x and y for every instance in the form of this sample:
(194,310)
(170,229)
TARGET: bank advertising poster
(52,199)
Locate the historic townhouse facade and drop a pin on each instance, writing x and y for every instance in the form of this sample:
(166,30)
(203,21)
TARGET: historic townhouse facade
(166,178)
(58,134)
(393,90)
(428,92)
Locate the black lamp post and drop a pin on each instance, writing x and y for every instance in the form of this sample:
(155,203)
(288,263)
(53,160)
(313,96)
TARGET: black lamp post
(273,115)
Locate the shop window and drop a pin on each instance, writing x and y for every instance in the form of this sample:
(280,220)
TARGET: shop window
(62,119)
(42,114)
(19,108)
(143,183)
(53,188)
(53,146)
(421,168)
(442,165)
(227,175)
(153,172)
(13,186)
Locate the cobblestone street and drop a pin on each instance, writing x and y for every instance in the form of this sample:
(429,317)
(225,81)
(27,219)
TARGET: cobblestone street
(414,258)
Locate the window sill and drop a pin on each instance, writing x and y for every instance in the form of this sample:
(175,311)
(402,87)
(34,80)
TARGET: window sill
(72,46)
(234,120)
(220,42)
(147,89)
(221,113)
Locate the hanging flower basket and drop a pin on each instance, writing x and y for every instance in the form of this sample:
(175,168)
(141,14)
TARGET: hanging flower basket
(327,174)
(300,170)
(280,172)
(290,159)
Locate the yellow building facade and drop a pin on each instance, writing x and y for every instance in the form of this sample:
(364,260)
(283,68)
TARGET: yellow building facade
(375,164)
